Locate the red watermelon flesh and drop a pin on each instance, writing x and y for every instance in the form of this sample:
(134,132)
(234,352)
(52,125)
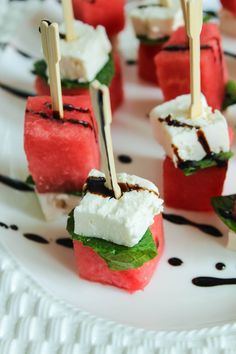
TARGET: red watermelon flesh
(91,266)
(116,87)
(230,5)
(110,14)
(173,66)
(146,64)
(60,153)
(192,192)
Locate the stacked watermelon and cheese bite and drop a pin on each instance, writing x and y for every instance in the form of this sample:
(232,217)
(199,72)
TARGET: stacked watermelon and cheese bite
(197,149)
(117,241)
(84,59)
(109,14)
(174,59)
(153,24)
(60,151)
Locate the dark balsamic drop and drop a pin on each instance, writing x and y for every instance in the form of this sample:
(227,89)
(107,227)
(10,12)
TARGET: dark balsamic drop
(2,224)
(124,158)
(175,262)
(35,238)
(65,242)
(14,227)
(206,282)
(131,62)
(220,266)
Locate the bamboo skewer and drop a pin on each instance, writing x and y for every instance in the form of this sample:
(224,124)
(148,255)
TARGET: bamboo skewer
(69,20)
(166,3)
(184,10)
(194,27)
(50,44)
(102,108)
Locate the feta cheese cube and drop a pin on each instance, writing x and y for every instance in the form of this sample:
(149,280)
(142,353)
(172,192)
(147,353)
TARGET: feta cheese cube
(152,20)
(84,57)
(123,221)
(227,22)
(56,205)
(185,139)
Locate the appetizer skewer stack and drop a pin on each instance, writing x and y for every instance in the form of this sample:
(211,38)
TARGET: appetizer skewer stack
(86,54)
(117,227)
(195,138)
(154,22)
(60,137)
(172,61)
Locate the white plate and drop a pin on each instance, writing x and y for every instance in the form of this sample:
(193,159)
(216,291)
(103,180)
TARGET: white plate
(171,301)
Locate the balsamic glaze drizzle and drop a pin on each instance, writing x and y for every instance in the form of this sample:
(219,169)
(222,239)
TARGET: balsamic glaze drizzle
(65,242)
(182,47)
(15,184)
(180,220)
(66,107)
(35,238)
(229,54)
(2,224)
(96,185)
(16,92)
(211,281)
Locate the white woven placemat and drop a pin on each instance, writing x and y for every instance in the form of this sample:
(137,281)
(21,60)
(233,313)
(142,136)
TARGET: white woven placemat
(34,322)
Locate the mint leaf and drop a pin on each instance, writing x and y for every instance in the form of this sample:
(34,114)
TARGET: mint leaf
(230,94)
(116,256)
(149,41)
(209,15)
(224,208)
(40,68)
(191,167)
(29,180)
(104,76)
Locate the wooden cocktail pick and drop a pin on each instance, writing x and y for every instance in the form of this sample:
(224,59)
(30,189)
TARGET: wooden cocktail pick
(184,10)
(69,20)
(50,43)
(166,3)
(194,28)
(102,109)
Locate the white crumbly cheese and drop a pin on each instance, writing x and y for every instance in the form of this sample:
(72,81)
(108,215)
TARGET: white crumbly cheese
(84,57)
(184,139)
(55,205)
(123,221)
(227,22)
(231,244)
(153,21)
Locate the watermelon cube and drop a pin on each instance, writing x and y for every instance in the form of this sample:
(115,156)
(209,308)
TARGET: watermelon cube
(173,66)
(193,192)
(109,14)
(229,5)
(60,152)
(91,266)
(146,64)
(116,86)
